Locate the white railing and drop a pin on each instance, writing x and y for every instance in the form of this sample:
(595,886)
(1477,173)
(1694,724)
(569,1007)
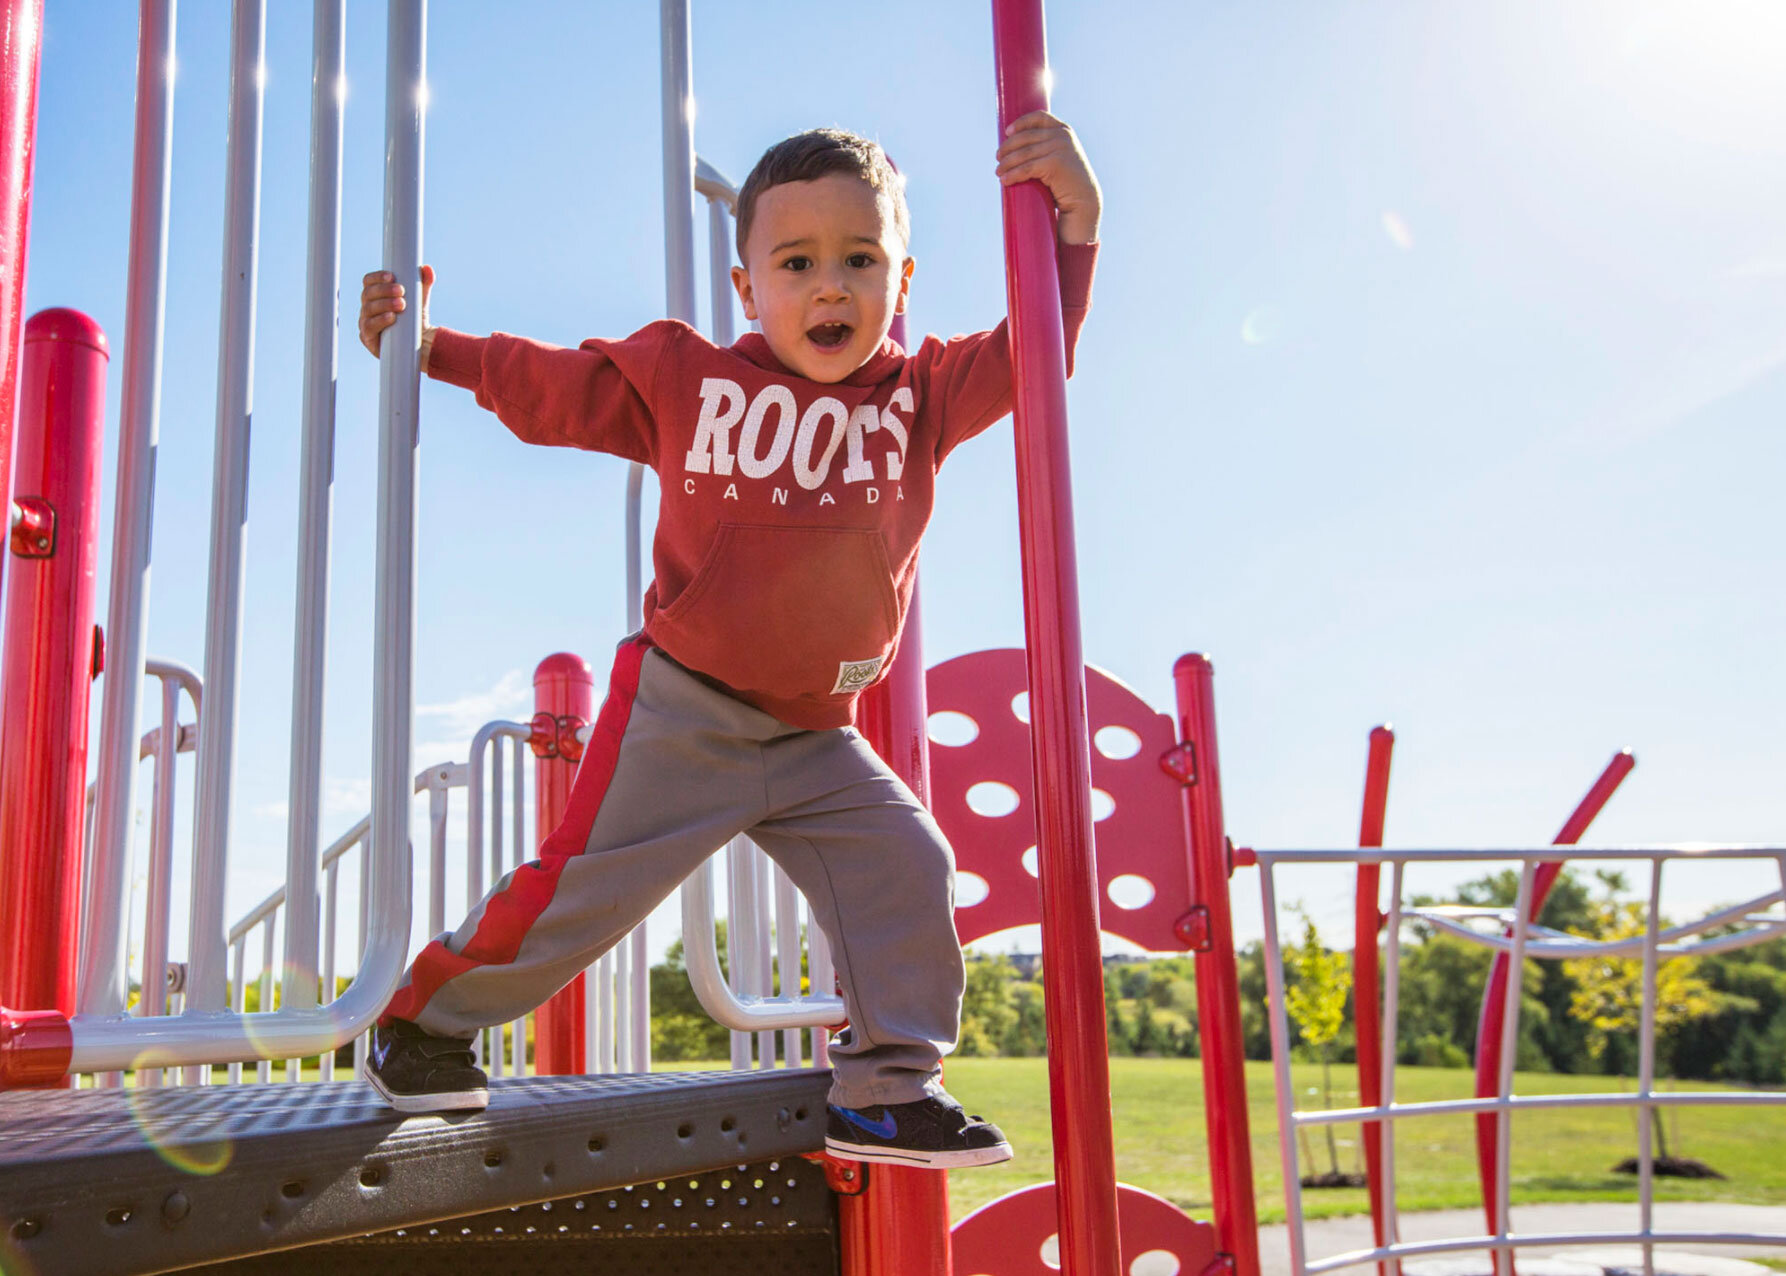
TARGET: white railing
(105,1038)
(1513,934)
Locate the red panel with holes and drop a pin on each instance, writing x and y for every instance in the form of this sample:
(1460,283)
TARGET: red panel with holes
(1008,1236)
(982,795)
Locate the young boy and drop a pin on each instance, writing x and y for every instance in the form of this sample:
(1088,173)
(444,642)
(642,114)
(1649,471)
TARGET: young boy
(797,471)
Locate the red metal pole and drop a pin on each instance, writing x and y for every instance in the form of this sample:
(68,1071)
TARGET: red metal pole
(52,655)
(1494,996)
(1367,923)
(899,1224)
(1078,1047)
(564,692)
(1218,979)
(21,29)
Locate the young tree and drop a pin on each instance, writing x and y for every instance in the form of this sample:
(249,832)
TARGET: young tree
(1609,990)
(1315,999)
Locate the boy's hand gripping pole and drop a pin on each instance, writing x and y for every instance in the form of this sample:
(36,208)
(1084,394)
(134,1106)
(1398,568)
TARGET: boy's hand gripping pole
(1078,1068)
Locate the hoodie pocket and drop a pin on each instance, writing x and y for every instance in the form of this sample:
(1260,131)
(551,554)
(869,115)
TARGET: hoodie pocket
(786,611)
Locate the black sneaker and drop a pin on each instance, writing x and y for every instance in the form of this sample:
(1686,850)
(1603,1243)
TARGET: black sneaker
(933,1132)
(417,1071)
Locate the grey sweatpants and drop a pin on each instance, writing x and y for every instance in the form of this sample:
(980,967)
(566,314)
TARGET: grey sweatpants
(674,770)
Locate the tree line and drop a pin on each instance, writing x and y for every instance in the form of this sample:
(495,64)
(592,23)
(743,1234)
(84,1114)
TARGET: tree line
(1721,1017)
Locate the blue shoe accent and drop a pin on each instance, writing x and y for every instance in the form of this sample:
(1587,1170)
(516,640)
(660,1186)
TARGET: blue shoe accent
(884,1128)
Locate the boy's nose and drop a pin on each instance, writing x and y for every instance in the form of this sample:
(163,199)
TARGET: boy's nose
(832,286)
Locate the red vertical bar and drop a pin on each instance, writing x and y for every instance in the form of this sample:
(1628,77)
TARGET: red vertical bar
(899,1224)
(1494,995)
(1367,1012)
(1078,1067)
(563,687)
(1218,979)
(21,29)
(51,658)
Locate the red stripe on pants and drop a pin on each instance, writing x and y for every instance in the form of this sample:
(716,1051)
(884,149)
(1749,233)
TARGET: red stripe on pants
(510,912)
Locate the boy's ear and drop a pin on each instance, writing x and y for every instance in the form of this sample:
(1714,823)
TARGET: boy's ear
(905,284)
(741,281)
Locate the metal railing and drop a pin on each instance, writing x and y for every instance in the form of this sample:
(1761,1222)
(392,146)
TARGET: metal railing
(103,1037)
(1513,933)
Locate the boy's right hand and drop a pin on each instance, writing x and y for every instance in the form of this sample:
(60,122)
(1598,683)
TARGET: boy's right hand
(381,299)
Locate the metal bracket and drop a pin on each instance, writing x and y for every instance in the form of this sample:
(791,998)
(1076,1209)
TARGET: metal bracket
(1180,762)
(33,527)
(1193,929)
(1221,1265)
(844,1178)
(556,737)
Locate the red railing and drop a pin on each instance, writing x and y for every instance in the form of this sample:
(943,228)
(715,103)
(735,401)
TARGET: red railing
(1366,1008)
(1494,996)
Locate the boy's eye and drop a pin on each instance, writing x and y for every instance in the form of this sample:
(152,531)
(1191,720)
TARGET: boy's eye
(861,261)
(797,263)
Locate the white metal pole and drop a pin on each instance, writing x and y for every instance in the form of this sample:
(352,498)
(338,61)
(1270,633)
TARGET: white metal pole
(1391,1030)
(1516,964)
(1646,1073)
(102,979)
(328,91)
(205,977)
(399,393)
(1280,1062)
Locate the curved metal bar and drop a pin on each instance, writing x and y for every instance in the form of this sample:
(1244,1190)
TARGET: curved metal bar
(474,799)
(203,1034)
(715,186)
(741,1012)
(1522,854)
(1568,946)
(1527,1240)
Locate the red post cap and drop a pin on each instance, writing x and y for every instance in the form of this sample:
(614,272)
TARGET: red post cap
(62,324)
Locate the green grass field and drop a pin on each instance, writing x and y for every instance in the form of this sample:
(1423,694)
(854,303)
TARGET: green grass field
(1559,1156)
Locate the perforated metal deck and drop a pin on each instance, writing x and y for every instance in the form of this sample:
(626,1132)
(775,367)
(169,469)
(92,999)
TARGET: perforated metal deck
(154,1180)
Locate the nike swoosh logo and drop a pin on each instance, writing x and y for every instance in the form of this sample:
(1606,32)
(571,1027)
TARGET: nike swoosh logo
(885,1128)
(381,1050)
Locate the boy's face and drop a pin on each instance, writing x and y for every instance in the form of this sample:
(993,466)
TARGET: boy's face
(824,273)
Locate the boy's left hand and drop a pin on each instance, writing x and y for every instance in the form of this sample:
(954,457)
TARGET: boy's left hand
(1038,147)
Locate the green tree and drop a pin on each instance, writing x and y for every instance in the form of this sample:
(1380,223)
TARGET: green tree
(1610,991)
(1315,999)
(987,1015)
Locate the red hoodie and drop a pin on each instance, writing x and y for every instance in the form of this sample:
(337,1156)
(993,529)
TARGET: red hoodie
(790,514)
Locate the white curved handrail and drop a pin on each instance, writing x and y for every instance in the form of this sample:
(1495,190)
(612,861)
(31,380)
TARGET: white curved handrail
(739,1011)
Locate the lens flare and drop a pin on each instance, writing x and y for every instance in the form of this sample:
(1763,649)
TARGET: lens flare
(174,1123)
(1397,230)
(1262,324)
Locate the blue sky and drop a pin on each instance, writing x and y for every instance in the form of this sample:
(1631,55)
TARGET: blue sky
(1434,375)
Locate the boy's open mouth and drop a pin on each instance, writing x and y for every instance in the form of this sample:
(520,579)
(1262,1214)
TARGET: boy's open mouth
(829,336)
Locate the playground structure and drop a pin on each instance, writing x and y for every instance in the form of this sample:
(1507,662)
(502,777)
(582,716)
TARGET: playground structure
(169,1171)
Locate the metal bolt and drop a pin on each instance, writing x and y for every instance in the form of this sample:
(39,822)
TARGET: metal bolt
(175,1207)
(43,542)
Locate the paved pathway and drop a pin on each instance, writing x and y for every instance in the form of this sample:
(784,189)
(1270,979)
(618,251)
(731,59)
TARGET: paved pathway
(1338,1235)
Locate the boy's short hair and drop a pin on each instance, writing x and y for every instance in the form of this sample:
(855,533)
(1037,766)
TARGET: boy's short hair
(817,153)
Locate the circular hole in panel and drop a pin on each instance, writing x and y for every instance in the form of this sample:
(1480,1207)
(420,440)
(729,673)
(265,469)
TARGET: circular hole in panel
(1130,891)
(1020,706)
(952,729)
(1032,862)
(1051,1251)
(1155,1262)
(1117,743)
(1102,805)
(970,889)
(991,798)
